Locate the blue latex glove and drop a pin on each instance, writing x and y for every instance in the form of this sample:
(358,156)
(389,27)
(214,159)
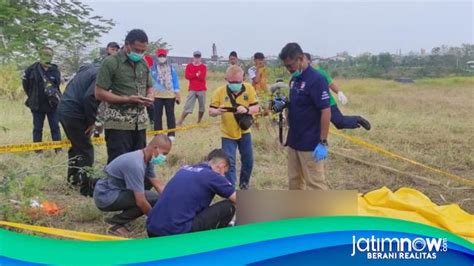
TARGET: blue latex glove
(321,152)
(278,106)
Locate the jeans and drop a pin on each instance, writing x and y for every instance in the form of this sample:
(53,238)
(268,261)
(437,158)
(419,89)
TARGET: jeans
(341,121)
(215,216)
(168,104)
(38,122)
(127,204)
(246,157)
(80,155)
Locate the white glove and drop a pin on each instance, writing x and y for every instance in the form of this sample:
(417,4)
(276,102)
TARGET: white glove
(342,98)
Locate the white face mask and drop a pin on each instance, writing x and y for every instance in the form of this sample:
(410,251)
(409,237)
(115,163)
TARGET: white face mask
(161,60)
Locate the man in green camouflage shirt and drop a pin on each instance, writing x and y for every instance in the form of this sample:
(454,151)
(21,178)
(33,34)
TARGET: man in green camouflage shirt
(124,84)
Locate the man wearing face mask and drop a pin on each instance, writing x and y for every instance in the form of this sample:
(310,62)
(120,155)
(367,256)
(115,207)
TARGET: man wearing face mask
(233,136)
(123,187)
(184,206)
(309,114)
(36,79)
(196,74)
(125,84)
(166,84)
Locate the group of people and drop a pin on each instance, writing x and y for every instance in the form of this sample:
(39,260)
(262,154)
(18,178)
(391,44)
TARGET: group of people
(113,94)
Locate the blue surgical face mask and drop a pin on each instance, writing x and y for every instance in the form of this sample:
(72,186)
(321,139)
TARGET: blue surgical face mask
(158,160)
(235,87)
(135,57)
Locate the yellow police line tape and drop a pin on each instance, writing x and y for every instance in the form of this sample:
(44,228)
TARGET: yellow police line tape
(62,232)
(13,148)
(100,140)
(386,153)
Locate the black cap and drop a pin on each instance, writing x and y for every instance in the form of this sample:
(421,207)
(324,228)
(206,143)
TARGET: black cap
(233,53)
(113,44)
(258,55)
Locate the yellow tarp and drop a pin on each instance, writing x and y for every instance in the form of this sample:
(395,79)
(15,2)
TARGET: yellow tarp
(412,205)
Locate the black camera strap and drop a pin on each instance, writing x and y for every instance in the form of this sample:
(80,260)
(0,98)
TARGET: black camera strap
(280,127)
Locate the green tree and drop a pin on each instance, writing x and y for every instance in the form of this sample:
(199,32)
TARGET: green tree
(70,59)
(153,45)
(385,61)
(28,25)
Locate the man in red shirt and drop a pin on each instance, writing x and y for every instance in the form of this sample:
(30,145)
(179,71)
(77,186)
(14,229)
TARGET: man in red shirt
(196,74)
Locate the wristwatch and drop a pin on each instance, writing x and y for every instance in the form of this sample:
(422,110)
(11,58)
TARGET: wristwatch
(324,142)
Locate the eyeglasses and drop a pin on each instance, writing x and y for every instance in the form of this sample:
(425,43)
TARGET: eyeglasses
(292,65)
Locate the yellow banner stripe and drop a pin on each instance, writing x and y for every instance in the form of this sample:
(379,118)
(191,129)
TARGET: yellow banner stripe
(62,232)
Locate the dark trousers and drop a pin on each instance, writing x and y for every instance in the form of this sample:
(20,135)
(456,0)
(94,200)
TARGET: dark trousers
(246,158)
(168,105)
(215,216)
(127,204)
(80,155)
(341,121)
(38,123)
(123,141)
(150,112)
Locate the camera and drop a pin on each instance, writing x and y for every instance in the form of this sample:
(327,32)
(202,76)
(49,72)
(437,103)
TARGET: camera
(279,103)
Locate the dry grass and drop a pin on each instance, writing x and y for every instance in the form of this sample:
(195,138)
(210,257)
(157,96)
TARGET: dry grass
(430,121)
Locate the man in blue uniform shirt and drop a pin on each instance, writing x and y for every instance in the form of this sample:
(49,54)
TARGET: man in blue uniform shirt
(184,206)
(309,115)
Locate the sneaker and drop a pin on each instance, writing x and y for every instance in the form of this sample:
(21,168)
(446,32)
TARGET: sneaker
(118,230)
(364,123)
(172,138)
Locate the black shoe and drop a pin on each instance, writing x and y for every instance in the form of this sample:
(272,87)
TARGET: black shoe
(244,186)
(364,123)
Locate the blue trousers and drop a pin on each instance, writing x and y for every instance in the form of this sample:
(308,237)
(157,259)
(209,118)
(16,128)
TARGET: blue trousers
(246,157)
(38,122)
(341,121)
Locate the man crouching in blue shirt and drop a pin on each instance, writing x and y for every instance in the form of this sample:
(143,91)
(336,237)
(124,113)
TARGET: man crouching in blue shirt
(184,204)
(309,114)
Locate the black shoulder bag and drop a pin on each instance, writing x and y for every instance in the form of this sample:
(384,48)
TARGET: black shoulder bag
(52,92)
(244,121)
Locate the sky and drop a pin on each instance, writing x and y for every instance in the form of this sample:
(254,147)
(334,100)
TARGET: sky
(320,27)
